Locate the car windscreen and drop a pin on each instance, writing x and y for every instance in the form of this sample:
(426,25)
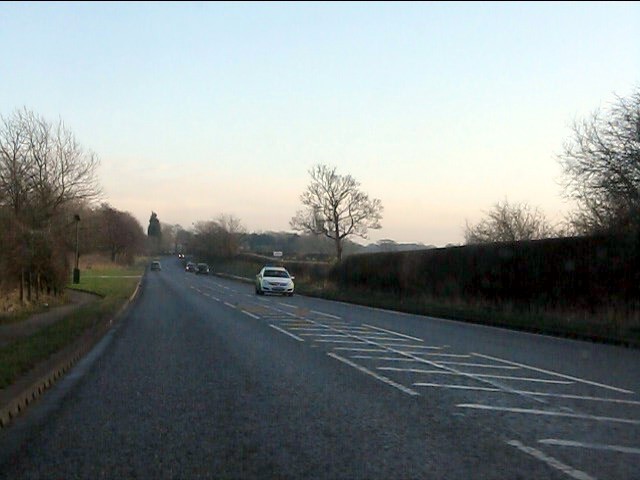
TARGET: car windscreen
(276,273)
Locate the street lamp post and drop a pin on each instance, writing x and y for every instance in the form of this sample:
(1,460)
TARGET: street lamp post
(76,270)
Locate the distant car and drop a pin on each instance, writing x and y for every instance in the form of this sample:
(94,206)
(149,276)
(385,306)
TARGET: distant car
(191,267)
(274,280)
(202,268)
(181,255)
(155,265)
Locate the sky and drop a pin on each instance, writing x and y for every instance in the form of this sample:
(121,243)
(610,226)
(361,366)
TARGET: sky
(438,109)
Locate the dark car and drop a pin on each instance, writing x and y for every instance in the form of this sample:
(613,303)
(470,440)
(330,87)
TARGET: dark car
(191,267)
(155,265)
(202,268)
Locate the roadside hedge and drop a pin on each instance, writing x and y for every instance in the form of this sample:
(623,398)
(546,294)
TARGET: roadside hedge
(586,272)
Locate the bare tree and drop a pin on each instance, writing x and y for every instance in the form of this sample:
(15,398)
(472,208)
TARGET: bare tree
(43,172)
(336,208)
(507,222)
(231,230)
(601,165)
(122,235)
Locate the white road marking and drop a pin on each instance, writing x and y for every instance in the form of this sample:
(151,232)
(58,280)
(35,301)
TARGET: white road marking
(459,387)
(448,355)
(549,413)
(394,333)
(351,349)
(552,462)
(287,333)
(593,446)
(507,377)
(441,372)
(287,305)
(482,365)
(335,317)
(323,335)
(487,389)
(423,347)
(549,372)
(309,329)
(215,298)
(386,359)
(416,358)
(357,342)
(250,314)
(386,380)
(383,339)
(229,305)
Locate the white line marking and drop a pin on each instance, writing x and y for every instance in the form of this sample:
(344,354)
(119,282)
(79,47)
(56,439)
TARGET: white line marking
(309,329)
(483,365)
(386,359)
(215,298)
(422,360)
(351,349)
(394,333)
(588,382)
(552,462)
(593,446)
(287,333)
(421,347)
(549,413)
(287,305)
(448,355)
(323,335)
(229,305)
(458,387)
(335,317)
(357,342)
(487,389)
(250,314)
(384,339)
(441,372)
(507,377)
(386,380)
(467,364)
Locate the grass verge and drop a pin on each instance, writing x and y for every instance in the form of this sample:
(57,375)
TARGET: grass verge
(115,285)
(616,324)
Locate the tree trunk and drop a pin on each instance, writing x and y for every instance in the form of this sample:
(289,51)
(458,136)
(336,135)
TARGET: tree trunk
(22,286)
(338,249)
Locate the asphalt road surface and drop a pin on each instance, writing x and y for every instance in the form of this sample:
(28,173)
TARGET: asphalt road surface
(204,379)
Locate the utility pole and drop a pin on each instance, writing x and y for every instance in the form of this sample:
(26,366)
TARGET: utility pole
(76,270)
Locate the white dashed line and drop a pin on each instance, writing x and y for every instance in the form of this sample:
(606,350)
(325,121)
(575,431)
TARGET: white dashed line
(287,333)
(592,446)
(394,333)
(549,413)
(229,305)
(386,380)
(481,365)
(552,462)
(351,349)
(287,305)
(335,317)
(250,314)
(549,372)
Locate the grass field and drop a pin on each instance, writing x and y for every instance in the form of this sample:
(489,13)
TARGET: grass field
(114,284)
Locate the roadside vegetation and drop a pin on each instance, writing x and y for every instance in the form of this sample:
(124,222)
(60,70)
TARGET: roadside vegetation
(106,280)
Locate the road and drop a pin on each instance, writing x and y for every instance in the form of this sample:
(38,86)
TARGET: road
(204,379)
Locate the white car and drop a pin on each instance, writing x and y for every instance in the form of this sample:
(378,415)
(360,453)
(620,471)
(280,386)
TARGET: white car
(274,280)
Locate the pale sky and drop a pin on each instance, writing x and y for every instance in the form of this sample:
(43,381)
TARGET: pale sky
(439,109)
